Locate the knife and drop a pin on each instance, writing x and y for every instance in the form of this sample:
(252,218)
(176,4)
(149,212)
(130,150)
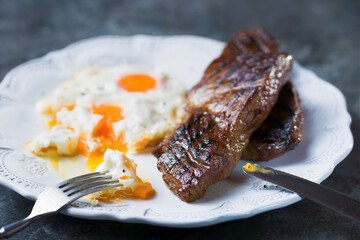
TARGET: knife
(325,196)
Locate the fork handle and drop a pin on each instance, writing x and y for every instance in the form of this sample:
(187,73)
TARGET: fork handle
(11,229)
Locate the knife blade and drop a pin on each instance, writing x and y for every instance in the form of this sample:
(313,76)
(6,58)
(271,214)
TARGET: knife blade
(323,195)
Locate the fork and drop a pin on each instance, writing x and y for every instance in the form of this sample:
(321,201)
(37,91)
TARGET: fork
(54,199)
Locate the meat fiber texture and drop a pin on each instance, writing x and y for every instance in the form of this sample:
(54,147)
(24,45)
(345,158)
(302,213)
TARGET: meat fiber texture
(234,97)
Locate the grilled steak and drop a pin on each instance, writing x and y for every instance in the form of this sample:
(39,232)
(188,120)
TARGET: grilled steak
(284,132)
(234,97)
(281,130)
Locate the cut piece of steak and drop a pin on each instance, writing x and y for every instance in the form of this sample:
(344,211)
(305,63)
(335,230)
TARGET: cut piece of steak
(234,97)
(281,130)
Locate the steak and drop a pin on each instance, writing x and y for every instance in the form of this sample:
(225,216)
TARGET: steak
(235,95)
(281,130)
(284,132)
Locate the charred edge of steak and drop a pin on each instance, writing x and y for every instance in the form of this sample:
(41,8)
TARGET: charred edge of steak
(206,147)
(240,44)
(281,131)
(250,41)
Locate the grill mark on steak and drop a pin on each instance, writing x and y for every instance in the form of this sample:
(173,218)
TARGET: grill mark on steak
(179,149)
(228,74)
(182,131)
(234,98)
(216,104)
(211,71)
(222,115)
(193,139)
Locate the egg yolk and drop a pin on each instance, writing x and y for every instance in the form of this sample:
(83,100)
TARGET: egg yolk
(110,115)
(141,190)
(103,135)
(103,132)
(137,82)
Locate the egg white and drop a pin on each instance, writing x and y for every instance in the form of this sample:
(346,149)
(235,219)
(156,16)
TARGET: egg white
(146,115)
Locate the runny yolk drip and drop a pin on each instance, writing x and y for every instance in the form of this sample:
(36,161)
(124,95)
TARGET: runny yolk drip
(137,82)
(110,114)
(93,161)
(103,134)
(52,155)
(82,147)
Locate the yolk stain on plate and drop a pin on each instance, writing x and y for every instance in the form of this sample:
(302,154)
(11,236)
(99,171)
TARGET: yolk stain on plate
(93,161)
(137,82)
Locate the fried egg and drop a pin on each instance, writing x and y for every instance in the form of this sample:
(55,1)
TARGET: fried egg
(123,169)
(125,108)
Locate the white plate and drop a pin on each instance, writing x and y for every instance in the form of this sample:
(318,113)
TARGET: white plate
(326,137)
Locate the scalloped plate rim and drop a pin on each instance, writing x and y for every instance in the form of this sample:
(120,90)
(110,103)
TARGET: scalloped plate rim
(90,214)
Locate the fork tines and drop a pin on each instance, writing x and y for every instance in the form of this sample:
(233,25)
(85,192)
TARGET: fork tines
(86,184)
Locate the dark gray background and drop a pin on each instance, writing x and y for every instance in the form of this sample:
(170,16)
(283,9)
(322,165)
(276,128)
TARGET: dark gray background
(322,35)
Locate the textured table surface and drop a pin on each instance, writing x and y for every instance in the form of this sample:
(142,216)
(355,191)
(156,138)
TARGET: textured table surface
(322,35)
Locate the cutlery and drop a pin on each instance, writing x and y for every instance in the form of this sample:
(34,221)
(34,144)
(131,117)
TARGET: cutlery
(54,199)
(325,196)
